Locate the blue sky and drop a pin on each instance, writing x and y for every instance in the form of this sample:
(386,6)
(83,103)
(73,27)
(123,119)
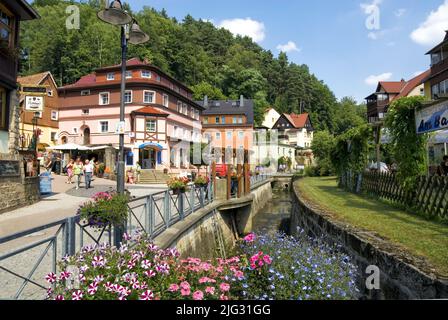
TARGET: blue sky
(350,44)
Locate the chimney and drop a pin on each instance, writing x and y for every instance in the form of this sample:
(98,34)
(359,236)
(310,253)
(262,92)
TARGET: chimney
(241,101)
(205,101)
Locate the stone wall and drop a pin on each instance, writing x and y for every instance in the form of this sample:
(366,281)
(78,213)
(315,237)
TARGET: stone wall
(399,279)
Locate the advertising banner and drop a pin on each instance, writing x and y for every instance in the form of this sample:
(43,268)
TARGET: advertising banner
(433,118)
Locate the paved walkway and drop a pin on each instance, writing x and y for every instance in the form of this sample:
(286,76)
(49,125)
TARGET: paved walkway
(63,203)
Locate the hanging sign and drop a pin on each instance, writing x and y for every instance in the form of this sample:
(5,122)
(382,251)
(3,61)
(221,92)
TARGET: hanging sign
(432,118)
(120,128)
(33,103)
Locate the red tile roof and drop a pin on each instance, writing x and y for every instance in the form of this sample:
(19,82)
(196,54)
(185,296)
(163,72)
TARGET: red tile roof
(151,110)
(392,86)
(298,120)
(413,83)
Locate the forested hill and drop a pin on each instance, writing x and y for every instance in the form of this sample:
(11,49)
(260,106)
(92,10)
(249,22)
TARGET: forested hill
(210,60)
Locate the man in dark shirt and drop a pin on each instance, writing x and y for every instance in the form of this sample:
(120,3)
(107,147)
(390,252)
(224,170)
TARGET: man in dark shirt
(443,168)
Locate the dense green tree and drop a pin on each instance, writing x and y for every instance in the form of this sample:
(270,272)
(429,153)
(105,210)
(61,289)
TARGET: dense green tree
(348,114)
(206,89)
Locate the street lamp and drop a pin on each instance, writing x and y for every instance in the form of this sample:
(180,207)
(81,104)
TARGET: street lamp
(130,31)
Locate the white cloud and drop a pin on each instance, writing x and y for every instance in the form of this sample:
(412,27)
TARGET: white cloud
(245,27)
(400,12)
(433,29)
(289,47)
(373,79)
(369,7)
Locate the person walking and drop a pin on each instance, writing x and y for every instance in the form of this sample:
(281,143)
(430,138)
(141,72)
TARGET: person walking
(88,172)
(138,171)
(48,164)
(70,166)
(77,171)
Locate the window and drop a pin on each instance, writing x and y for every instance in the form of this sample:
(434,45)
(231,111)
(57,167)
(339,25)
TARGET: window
(151,126)
(229,135)
(179,106)
(240,119)
(85,92)
(6,29)
(85,112)
(53,136)
(166,100)
(50,93)
(435,58)
(38,114)
(146,74)
(208,137)
(75,130)
(149,96)
(234,120)
(128,96)
(110,76)
(196,114)
(104,126)
(54,115)
(217,120)
(185,109)
(241,134)
(205,120)
(435,90)
(104,98)
(128,74)
(223,120)
(218,135)
(158,78)
(176,131)
(3,109)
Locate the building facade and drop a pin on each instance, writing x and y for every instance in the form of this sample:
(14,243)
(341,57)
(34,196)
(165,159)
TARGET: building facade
(271,116)
(437,82)
(161,119)
(16,189)
(229,127)
(46,122)
(295,130)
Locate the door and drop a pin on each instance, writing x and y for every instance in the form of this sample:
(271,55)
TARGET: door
(148,159)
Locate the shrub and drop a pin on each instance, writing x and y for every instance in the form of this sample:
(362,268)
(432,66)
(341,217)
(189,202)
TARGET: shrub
(284,268)
(201,181)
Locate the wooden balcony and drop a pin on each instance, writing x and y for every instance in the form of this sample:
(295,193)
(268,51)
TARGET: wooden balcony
(439,67)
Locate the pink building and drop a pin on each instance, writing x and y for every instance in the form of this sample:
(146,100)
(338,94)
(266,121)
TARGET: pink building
(161,118)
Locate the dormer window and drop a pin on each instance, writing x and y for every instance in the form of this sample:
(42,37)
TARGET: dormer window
(110,76)
(146,74)
(128,74)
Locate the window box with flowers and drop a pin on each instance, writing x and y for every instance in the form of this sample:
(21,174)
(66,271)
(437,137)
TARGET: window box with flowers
(105,209)
(178,185)
(201,181)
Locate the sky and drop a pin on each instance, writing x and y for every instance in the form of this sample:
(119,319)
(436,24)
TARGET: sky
(349,44)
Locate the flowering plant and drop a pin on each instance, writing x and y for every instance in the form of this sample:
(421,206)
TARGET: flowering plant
(178,184)
(105,208)
(284,268)
(139,270)
(201,181)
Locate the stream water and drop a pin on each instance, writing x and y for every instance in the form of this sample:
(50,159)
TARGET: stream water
(275,215)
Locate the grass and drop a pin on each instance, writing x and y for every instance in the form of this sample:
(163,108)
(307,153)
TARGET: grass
(416,235)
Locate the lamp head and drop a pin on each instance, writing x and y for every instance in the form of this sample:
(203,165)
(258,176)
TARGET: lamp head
(136,35)
(115,14)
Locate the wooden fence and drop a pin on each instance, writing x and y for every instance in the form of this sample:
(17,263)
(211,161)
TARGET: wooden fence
(430,197)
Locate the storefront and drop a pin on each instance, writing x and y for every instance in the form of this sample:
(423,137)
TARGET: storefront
(150,155)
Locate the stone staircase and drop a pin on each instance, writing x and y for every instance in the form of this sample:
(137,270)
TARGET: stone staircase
(153,177)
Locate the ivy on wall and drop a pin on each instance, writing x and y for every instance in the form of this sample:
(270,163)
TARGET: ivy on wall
(408,147)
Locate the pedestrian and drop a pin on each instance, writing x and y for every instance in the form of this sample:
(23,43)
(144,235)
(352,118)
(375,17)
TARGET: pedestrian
(70,166)
(138,171)
(48,164)
(77,171)
(443,167)
(131,178)
(88,172)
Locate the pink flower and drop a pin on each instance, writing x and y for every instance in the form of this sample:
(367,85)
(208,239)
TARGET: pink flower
(239,274)
(224,287)
(198,295)
(250,238)
(109,287)
(210,290)
(147,295)
(173,288)
(267,259)
(77,295)
(59,297)
(99,279)
(185,285)
(203,280)
(98,261)
(126,237)
(51,277)
(185,292)
(146,264)
(93,288)
(150,274)
(223,297)
(65,275)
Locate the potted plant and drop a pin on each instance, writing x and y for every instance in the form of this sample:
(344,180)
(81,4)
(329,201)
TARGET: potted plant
(201,181)
(101,170)
(178,185)
(105,209)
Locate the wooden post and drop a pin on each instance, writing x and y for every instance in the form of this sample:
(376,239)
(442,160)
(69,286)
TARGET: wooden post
(229,182)
(246,178)
(239,175)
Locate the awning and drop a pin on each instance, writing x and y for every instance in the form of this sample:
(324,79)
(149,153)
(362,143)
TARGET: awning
(151,145)
(68,147)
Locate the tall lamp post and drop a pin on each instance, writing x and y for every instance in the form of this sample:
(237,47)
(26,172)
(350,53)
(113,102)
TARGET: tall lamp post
(130,32)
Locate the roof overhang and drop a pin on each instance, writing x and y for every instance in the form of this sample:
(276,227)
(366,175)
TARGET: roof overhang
(22,8)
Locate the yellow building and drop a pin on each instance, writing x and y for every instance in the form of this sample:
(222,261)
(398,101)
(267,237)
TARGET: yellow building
(46,122)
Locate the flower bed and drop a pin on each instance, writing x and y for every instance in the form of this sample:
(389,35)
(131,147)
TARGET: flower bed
(269,267)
